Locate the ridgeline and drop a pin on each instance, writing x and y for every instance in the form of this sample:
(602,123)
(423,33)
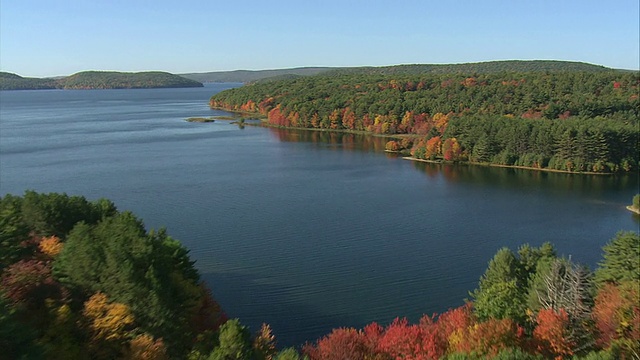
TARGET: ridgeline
(98,80)
(248,76)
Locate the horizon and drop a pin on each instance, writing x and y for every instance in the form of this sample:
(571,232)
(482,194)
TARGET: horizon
(307,67)
(63,38)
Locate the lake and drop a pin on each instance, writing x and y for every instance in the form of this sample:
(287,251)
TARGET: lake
(304,230)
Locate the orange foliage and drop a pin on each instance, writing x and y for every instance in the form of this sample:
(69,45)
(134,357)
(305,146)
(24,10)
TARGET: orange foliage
(433,147)
(348,119)
(617,313)
(265,343)
(144,347)
(550,334)
(277,117)
(50,246)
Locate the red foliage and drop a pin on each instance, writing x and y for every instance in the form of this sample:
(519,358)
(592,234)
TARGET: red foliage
(550,334)
(29,282)
(208,314)
(451,150)
(404,341)
(343,343)
(457,319)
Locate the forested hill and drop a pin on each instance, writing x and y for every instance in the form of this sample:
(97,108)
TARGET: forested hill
(99,80)
(477,68)
(9,81)
(577,121)
(247,76)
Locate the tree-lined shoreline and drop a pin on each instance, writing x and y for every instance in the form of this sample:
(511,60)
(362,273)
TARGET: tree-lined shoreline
(579,122)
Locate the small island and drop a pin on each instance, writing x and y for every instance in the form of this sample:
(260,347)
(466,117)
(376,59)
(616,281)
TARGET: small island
(201,119)
(635,205)
(89,80)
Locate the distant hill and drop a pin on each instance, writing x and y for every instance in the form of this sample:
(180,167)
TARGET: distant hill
(247,76)
(98,80)
(477,68)
(9,81)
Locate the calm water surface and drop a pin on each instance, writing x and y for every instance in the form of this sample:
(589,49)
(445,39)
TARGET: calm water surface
(303,230)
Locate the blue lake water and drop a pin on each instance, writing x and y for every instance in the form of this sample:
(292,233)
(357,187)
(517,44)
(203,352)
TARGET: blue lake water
(303,230)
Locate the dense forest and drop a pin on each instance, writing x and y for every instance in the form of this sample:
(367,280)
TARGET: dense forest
(98,80)
(81,280)
(9,81)
(558,118)
(247,76)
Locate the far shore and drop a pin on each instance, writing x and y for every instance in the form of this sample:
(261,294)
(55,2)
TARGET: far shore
(264,122)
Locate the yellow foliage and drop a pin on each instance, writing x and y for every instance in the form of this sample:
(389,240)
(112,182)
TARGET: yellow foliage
(50,245)
(456,338)
(109,321)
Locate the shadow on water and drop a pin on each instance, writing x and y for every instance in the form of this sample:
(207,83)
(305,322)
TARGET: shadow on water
(484,176)
(289,320)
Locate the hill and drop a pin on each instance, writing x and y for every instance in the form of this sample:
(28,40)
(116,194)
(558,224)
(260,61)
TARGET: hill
(488,67)
(558,116)
(253,75)
(247,76)
(9,81)
(99,80)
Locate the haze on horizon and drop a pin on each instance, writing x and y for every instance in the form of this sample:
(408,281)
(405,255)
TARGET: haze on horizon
(40,38)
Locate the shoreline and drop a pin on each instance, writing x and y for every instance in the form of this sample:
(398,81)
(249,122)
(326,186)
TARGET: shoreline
(264,122)
(411,158)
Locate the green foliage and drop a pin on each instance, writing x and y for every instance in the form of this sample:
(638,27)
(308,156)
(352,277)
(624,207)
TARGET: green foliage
(151,273)
(288,354)
(17,341)
(504,289)
(98,80)
(9,81)
(572,121)
(13,231)
(621,259)
(636,201)
(120,80)
(234,342)
(499,295)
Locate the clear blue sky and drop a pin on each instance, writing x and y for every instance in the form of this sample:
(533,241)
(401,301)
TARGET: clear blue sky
(50,38)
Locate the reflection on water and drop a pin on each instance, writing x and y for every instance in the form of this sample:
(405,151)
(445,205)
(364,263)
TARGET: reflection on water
(332,140)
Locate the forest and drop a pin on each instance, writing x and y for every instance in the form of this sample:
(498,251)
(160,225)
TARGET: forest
(98,80)
(81,280)
(567,120)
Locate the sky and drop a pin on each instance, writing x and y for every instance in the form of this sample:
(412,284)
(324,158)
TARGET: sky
(40,38)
